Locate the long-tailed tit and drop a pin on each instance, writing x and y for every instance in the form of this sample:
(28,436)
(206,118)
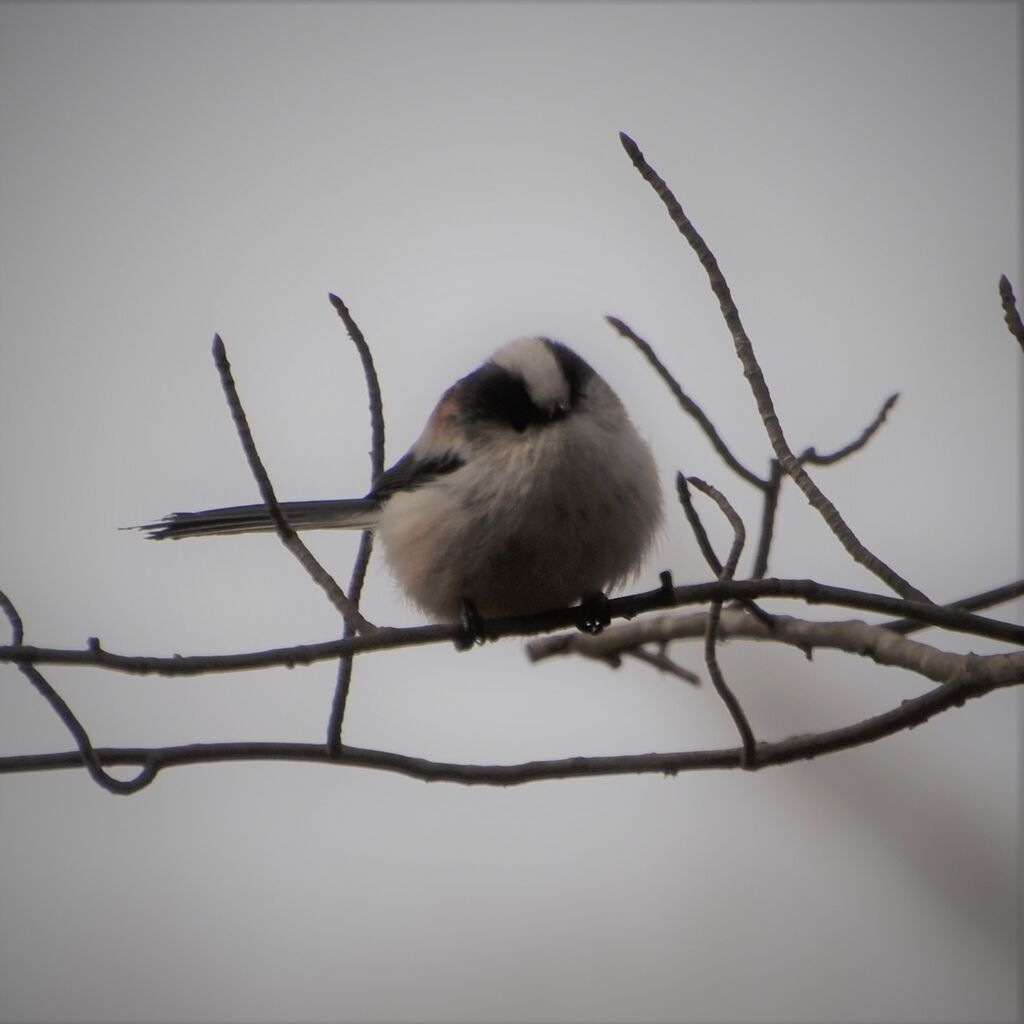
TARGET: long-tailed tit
(529,489)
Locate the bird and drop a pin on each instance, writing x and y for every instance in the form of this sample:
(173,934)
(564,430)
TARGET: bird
(529,489)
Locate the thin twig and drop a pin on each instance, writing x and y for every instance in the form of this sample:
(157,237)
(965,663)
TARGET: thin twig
(693,518)
(986,599)
(727,572)
(346,662)
(663,663)
(689,406)
(1010,313)
(768,510)
(372,387)
(86,751)
(288,536)
(759,388)
(362,562)
(810,455)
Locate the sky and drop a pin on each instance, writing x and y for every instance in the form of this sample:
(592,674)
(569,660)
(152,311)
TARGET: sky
(453,171)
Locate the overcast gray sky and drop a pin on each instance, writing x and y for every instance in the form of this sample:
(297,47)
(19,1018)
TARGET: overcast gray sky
(453,171)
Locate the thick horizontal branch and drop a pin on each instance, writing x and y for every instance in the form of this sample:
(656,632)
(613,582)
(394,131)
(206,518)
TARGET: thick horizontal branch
(876,642)
(533,625)
(910,713)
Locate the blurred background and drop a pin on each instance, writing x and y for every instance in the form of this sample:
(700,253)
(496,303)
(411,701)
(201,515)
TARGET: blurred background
(454,172)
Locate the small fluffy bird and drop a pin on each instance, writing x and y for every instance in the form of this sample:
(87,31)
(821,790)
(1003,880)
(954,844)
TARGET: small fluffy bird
(528,490)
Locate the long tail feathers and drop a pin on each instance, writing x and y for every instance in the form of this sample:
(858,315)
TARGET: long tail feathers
(343,514)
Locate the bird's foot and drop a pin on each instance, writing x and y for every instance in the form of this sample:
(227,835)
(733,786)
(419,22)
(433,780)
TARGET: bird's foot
(472,626)
(592,613)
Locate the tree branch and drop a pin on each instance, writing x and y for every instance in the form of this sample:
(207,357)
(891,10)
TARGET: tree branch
(288,536)
(727,571)
(909,714)
(759,387)
(628,606)
(373,393)
(346,663)
(811,455)
(86,752)
(693,518)
(688,405)
(986,599)
(769,507)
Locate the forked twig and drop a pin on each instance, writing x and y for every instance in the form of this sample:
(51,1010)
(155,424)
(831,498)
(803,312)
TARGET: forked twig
(759,388)
(362,562)
(693,518)
(90,759)
(349,612)
(749,743)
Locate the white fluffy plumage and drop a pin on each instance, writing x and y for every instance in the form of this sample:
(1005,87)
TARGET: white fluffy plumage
(529,489)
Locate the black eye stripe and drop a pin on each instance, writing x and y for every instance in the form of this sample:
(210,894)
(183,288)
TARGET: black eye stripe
(493,394)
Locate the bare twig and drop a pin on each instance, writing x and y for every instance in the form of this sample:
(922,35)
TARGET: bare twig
(986,599)
(86,751)
(697,526)
(372,387)
(768,510)
(355,587)
(759,388)
(907,715)
(663,663)
(628,606)
(689,406)
(881,645)
(1010,313)
(811,455)
(288,536)
(346,663)
(727,572)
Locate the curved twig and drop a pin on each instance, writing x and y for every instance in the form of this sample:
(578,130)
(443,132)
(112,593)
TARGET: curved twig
(373,394)
(727,571)
(86,752)
(811,455)
(693,518)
